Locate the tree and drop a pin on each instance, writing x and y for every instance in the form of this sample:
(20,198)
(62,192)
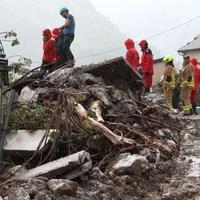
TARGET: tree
(23,64)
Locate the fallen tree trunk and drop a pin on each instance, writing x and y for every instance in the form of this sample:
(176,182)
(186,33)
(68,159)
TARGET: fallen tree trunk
(100,128)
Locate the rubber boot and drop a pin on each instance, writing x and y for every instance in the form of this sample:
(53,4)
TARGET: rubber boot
(147,90)
(194,109)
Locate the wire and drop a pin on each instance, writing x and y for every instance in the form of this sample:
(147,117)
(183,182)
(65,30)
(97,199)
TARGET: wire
(149,37)
(173,28)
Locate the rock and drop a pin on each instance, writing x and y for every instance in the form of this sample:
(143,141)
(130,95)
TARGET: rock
(19,169)
(27,95)
(73,166)
(163,148)
(172,145)
(18,194)
(188,138)
(148,155)
(44,195)
(130,164)
(36,184)
(1,198)
(62,187)
(161,133)
(96,173)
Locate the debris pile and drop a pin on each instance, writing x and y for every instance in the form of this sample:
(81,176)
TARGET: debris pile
(99,109)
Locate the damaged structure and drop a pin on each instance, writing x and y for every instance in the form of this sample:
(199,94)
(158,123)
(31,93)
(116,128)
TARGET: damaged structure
(98,114)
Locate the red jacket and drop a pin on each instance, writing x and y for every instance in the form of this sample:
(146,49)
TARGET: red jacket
(48,47)
(147,61)
(56,34)
(132,56)
(194,62)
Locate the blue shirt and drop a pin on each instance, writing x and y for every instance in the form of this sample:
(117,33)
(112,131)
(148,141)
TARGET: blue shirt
(69,30)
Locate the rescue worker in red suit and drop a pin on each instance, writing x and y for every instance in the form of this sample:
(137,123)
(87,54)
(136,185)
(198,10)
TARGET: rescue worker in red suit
(56,33)
(132,56)
(194,93)
(49,50)
(147,65)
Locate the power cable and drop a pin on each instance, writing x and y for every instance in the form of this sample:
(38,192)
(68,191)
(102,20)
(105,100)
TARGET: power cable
(150,37)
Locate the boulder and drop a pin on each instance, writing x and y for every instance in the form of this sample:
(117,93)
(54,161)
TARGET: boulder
(127,164)
(18,194)
(62,187)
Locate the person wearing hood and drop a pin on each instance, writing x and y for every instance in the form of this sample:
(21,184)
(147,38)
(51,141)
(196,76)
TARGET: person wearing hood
(48,49)
(147,65)
(56,33)
(132,56)
(194,93)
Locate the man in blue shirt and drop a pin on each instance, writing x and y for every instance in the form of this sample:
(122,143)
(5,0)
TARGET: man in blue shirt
(67,32)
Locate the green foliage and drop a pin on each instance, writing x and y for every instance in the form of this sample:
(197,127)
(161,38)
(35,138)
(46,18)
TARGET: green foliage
(89,129)
(19,68)
(91,113)
(28,116)
(80,98)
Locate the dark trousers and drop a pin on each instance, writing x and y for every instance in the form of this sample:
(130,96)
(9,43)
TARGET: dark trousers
(67,41)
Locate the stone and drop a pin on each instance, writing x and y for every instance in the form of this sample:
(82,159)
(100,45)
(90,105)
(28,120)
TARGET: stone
(161,133)
(62,187)
(148,155)
(130,164)
(18,194)
(43,195)
(172,145)
(71,166)
(188,138)
(1,198)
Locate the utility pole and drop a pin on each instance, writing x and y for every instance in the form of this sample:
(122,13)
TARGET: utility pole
(4,81)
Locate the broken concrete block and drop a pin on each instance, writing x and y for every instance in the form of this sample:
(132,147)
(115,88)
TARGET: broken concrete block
(130,164)
(27,95)
(71,166)
(62,187)
(18,194)
(23,141)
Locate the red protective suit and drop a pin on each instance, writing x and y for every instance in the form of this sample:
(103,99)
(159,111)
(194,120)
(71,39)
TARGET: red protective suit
(48,47)
(194,62)
(56,34)
(147,67)
(132,56)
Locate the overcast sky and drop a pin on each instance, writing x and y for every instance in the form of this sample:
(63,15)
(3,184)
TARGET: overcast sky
(138,19)
(143,18)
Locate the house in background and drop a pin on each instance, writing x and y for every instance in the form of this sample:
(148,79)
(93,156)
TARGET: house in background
(192,48)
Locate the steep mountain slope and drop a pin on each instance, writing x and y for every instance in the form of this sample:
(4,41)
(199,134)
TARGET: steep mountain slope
(94,33)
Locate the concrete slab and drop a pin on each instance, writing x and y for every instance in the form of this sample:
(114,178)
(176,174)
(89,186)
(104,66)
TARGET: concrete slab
(71,166)
(23,140)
